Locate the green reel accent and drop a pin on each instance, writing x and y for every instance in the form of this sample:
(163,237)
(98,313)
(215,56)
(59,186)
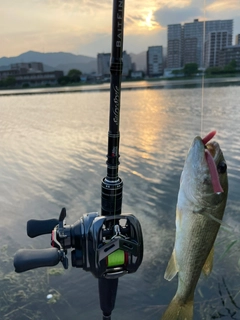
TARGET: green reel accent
(116,258)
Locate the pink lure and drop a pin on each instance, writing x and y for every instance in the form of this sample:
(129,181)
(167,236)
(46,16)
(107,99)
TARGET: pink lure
(217,188)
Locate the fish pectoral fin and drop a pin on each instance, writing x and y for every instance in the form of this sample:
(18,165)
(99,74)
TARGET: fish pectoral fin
(172,268)
(210,216)
(208,265)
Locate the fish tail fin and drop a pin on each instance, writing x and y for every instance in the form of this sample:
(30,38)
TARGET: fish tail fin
(178,310)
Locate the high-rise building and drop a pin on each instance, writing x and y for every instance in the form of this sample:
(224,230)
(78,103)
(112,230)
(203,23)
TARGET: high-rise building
(192,37)
(229,54)
(215,42)
(174,46)
(155,61)
(28,66)
(218,35)
(237,39)
(219,25)
(103,63)
(193,42)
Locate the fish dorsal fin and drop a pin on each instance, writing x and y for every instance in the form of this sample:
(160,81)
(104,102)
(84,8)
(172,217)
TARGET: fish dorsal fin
(172,268)
(208,265)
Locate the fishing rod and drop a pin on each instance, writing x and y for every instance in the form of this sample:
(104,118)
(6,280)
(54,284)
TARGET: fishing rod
(110,244)
(112,184)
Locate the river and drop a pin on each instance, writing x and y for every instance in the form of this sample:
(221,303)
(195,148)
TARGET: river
(53,154)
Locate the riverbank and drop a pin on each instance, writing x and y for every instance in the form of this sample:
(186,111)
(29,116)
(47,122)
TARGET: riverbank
(131,85)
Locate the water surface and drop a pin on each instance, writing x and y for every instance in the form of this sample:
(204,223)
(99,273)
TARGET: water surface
(52,154)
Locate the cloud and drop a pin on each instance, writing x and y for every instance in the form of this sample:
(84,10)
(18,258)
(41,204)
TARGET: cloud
(46,24)
(85,26)
(140,43)
(223,6)
(179,11)
(166,16)
(99,43)
(83,4)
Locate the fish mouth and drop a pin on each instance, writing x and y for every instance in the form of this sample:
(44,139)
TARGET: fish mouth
(212,147)
(212,154)
(207,154)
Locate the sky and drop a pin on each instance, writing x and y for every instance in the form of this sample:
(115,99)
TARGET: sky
(85,26)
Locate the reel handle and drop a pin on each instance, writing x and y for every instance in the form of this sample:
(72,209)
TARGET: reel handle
(36,228)
(26,259)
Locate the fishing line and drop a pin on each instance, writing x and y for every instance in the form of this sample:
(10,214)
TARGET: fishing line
(203,60)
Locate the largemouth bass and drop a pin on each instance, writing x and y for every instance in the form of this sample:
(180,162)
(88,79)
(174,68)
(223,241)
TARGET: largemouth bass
(200,207)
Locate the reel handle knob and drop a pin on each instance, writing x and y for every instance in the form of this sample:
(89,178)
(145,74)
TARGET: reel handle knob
(38,227)
(26,259)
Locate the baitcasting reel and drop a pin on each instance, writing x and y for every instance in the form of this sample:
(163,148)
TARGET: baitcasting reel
(107,246)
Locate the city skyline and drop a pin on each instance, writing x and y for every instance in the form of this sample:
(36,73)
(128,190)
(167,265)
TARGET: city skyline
(198,42)
(84,26)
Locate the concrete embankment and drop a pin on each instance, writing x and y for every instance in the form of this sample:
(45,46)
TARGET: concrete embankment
(132,85)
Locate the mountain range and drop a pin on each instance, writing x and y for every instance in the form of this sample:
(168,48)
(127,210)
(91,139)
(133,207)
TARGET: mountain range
(65,61)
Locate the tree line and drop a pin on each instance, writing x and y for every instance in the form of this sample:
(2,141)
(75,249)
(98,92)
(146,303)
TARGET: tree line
(73,76)
(229,68)
(191,69)
(10,81)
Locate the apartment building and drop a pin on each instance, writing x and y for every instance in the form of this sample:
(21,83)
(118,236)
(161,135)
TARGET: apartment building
(193,42)
(31,78)
(8,73)
(28,67)
(30,73)
(228,54)
(155,61)
(174,46)
(186,44)
(215,42)
(237,39)
(103,63)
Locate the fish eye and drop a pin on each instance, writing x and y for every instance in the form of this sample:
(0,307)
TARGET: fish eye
(222,167)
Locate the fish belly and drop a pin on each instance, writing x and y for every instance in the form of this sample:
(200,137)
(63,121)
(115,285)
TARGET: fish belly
(195,236)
